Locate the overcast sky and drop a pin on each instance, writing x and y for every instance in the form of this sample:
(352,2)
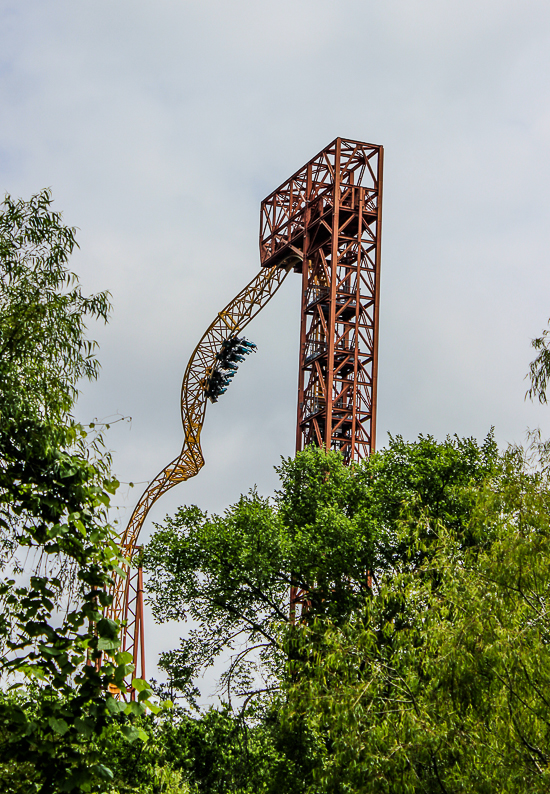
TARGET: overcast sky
(160,126)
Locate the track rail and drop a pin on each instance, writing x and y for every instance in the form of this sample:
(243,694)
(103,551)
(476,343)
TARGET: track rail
(229,322)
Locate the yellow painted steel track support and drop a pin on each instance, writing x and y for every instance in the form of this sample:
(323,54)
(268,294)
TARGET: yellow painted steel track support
(229,322)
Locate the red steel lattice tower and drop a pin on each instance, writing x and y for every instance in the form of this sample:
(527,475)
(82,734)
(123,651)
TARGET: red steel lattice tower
(326,222)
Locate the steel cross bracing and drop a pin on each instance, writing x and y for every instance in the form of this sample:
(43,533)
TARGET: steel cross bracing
(127,587)
(133,641)
(328,215)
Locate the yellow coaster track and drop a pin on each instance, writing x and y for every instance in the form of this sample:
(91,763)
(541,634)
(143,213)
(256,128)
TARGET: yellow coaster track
(229,322)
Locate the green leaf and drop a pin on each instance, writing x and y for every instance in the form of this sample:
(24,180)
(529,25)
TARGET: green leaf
(115,706)
(102,772)
(58,725)
(134,708)
(84,726)
(123,658)
(33,671)
(131,733)
(151,706)
(106,644)
(107,628)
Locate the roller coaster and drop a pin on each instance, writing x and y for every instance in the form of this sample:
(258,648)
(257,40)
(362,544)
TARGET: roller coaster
(324,223)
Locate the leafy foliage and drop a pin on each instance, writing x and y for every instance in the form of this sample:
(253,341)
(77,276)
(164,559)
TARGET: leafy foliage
(55,489)
(539,368)
(43,350)
(217,751)
(329,533)
(426,670)
(232,573)
(440,682)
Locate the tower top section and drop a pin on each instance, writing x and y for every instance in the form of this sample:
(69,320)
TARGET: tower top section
(342,174)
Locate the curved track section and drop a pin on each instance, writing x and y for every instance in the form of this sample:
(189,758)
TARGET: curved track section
(229,322)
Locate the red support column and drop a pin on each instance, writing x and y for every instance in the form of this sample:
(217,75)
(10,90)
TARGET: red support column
(133,636)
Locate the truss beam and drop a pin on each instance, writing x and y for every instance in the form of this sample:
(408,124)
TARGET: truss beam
(127,605)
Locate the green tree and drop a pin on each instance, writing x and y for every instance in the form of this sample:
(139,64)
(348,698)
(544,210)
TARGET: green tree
(231,574)
(440,682)
(55,488)
(214,751)
(354,539)
(337,534)
(539,368)
(330,532)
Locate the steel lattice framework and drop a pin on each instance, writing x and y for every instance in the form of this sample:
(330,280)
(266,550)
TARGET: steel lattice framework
(325,222)
(329,215)
(127,603)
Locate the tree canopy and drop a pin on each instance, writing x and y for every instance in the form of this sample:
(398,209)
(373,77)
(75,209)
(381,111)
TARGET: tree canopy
(330,532)
(539,368)
(55,490)
(426,669)
(440,682)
